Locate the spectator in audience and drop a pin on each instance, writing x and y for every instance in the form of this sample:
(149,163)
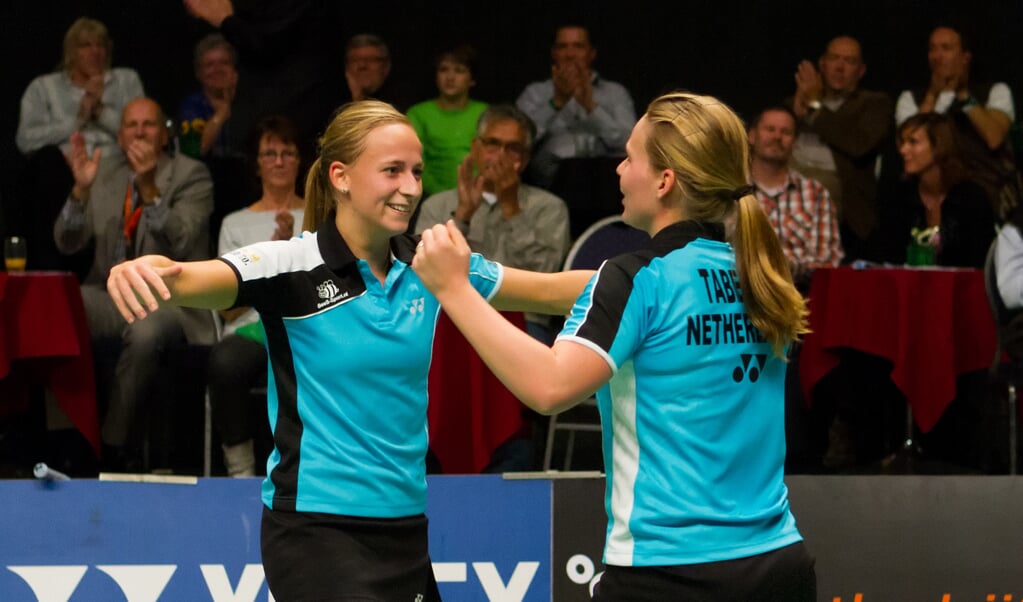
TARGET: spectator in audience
(981,112)
(85,95)
(1009,262)
(799,208)
(348,329)
(238,361)
(204,114)
(577,113)
(446,125)
(504,219)
(686,432)
(841,132)
(367,67)
(938,200)
(134,201)
(282,66)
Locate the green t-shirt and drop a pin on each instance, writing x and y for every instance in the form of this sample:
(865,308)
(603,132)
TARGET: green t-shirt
(446,137)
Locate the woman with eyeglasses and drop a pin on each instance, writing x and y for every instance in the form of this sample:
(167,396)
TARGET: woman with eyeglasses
(684,345)
(349,331)
(238,361)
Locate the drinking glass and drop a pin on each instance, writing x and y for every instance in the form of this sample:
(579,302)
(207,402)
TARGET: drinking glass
(15,253)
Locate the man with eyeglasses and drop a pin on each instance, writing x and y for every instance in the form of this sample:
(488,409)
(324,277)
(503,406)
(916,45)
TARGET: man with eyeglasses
(131,201)
(367,67)
(506,220)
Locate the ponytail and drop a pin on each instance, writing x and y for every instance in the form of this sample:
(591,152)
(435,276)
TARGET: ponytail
(772,302)
(319,197)
(704,142)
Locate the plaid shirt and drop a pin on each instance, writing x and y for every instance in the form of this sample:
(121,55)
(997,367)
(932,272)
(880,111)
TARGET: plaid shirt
(806,222)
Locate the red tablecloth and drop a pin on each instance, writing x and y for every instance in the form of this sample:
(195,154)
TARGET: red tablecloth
(932,324)
(470,411)
(44,338)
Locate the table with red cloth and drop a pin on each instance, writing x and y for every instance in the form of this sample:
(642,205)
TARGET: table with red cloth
(470,413)
(44,339)
(932,324)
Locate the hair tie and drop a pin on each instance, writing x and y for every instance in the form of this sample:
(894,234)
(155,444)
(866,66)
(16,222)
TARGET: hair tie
(738,193)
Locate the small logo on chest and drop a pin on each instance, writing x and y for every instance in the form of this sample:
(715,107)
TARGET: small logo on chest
(329,292)
(417,305)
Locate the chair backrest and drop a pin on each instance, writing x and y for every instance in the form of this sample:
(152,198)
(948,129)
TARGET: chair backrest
(1008,338)
(604,239)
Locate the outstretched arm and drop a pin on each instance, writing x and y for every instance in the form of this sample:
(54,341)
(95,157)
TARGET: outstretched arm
(539,292)
(140,285)
(547,379)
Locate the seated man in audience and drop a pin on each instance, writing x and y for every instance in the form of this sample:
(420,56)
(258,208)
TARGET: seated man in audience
(204,114)
(130,201)
(982,112)
(577,113)
(508,221)
(800,208)
(511,222)
(842,130)
(85,95)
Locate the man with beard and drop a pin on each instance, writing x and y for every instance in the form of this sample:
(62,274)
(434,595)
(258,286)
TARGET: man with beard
(799,208)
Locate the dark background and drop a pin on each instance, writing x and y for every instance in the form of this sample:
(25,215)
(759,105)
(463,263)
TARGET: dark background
(744,52)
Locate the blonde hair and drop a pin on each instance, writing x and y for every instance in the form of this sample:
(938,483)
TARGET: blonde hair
(704,143)
(344,140)
(85,27)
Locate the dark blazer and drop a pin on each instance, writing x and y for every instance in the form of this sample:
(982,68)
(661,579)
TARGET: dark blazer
(856,134)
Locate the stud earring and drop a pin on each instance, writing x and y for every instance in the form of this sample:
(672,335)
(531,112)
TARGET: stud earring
(344,191)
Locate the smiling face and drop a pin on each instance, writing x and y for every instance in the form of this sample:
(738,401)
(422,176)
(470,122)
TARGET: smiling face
(916,150)
(383,183)
(215,70)
(640,183)
(772,137)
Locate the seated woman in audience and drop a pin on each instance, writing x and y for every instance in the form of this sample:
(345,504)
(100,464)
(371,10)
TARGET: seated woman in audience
(937,208)
(238,362)
(447,124)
